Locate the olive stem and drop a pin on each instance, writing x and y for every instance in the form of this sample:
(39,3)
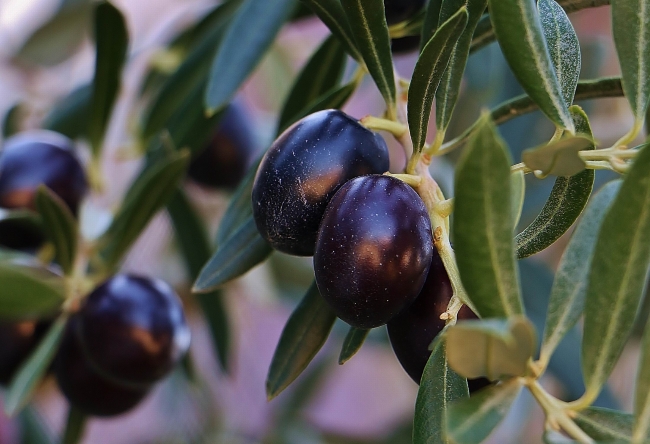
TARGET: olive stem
(377,123)
(624,141)
(409,179)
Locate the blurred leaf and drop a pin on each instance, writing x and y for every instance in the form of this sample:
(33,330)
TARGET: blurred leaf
(605,425)
(618,274)
(352,343)
(472,419)
(303,335)
(334,98)
(31,372)
(148,193)
(559,158)
(439,386)
(74,426)
(447,93)
(250,34)
(568,294)
(483,225)
(521,37)
(568,198)
(494,348)
(59,225)
(642,392)
(428,71)
(111,41)
(430,22)
(367,21)
(333,16)
(237,255)
(563,46)
(195,247)
(71,115)
(28,289)
(631,29)
(554,437)
(240,207)
(11,121)
(33,429)
(321,74)
(518,190)
(60,37)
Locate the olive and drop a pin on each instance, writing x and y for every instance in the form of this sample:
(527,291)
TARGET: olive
(225,159)
(405,44)
(303,169)
(400,10)
(18,339)
(82,384)
(133,329)
(373,250)
(33,158)
(412,331)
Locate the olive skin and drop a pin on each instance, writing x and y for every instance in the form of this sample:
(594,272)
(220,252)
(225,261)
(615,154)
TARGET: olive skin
(133,329)
(373,251)
(83,386)
(405,44)
(224,161)
(412,331)
(32,158)
(303,169)
(18,339)
(400,10)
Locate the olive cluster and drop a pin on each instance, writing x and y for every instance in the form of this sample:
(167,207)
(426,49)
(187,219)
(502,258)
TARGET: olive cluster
(127,333)
(320,190)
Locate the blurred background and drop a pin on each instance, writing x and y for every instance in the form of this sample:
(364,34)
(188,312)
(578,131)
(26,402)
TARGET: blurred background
(46,52)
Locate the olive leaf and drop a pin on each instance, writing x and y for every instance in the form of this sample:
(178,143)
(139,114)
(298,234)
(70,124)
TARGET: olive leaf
(482,225)
(333,16)
(352,343)
(59,225)
(249,35)
(240,207)
(111,40)
(428,71)
(567,299)
(642,392)
(520,34)
(71,115)
(518,188)
(75,426)
(367,21)
(494,348)
(439,387)
(472,419)
(568,198)
(430,22)
(605,425)
(618,274)
(559,158)
(303,335)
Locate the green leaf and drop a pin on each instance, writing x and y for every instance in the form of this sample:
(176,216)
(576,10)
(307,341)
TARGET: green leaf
(59,225)
(33,428)
(430,22)
(240,207)
(71,116)
(27,289)
(494,348)
(11,120)
(568,198)
(111,41)
(567,299)
(439,387)
(447,93)
(428,71)
(148,193)
(352,343)
(32,371)
(250,34)
(332,15)
(196,250)
(642,391)
(74,426)
(367,21)
(521,37)
(236,256)
(518,192)
(483,227)
(303,335)
(321,74)
(472,419)
(563,46)
(631,29)
(605,425)
(559,158)
(333,99)
(618,275)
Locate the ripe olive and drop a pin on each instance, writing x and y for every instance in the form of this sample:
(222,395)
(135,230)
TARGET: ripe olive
(400,10)
(225,159)
(303,169)
(405,44)
(412,331)
(133,329)
(373,250)
(84,386)
(32,158)
(18,339)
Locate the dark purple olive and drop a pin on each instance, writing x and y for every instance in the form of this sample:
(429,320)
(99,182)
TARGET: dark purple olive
(400,10)
(21,234)
(405,44)
(225,159)
(303,169)
(412,331)
(18,339)
(133,329)
(373,250)
(33,158)
(83,386)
